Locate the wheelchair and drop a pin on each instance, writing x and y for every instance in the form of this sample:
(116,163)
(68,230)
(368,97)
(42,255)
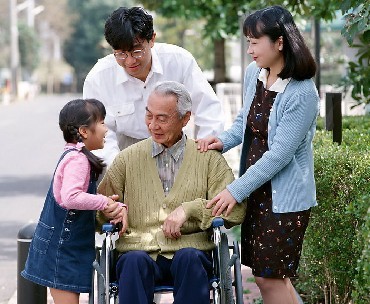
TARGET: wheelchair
(225,285)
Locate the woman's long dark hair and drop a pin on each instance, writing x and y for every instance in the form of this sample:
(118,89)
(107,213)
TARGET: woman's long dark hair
(276,21)
(78,113)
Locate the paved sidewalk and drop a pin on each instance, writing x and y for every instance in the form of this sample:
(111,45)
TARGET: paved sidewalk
(251,292)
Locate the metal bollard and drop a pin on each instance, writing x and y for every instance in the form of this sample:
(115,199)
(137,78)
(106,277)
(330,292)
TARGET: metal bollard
(27,291)
(333,115)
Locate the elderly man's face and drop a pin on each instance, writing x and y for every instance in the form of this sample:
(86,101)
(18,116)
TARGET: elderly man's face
(163,120)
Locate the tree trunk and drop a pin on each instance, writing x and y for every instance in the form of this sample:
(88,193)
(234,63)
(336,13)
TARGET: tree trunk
(219,61)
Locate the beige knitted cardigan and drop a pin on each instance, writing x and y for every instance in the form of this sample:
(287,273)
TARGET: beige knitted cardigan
(134,177)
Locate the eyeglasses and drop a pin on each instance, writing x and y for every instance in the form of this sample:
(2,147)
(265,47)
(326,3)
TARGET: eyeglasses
(161,119)
(138,53)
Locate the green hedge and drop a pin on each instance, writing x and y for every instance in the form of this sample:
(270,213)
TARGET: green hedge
(334,266)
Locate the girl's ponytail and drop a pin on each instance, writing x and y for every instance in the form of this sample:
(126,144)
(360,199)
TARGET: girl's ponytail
(97,163)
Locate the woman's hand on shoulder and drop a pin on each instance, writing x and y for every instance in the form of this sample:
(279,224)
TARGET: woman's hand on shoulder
(209,143)
(222,201)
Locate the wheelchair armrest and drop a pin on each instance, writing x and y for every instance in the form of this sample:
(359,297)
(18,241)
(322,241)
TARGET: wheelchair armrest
(217,222)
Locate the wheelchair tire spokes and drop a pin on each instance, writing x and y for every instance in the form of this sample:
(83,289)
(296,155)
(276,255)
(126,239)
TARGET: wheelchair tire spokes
(238,275)
(227,296)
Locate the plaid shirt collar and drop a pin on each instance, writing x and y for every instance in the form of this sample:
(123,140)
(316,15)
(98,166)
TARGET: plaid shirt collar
(175,151)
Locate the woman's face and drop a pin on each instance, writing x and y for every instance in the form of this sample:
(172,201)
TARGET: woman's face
(265,53)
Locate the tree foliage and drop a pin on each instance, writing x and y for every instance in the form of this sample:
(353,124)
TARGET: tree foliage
(357,16)
(222,19)
(58,16)
(86,43)
(29,45)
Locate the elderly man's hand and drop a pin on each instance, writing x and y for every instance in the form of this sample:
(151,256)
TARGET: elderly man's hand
(173,223)
(122,219)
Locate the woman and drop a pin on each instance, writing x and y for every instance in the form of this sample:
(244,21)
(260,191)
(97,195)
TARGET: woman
(276,126)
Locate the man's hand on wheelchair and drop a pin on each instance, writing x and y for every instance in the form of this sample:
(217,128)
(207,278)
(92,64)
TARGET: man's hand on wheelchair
(116,213)
(173,223)
(121,220)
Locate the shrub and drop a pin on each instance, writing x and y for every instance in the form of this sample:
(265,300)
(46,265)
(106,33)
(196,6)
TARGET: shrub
(335,257)
(361,293)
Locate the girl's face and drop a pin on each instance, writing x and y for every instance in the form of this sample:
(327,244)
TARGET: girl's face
(265,53)
(94,136)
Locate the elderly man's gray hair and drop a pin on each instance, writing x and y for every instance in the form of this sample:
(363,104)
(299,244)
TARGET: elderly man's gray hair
(179,91)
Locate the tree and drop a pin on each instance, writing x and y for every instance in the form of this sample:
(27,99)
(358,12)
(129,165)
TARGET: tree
(187,34)
(223,17)
(358,26)
(221,21)
(58,16)
(29,45)
(86,44)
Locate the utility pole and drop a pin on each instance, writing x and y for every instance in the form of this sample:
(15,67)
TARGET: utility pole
(14,48)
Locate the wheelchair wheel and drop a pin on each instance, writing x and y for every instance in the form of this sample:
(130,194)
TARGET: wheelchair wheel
(227,296)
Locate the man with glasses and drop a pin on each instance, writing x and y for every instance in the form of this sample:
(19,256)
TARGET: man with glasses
(124,79)
(164,238)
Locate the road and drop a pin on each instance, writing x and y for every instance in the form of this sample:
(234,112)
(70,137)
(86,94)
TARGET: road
(31,144)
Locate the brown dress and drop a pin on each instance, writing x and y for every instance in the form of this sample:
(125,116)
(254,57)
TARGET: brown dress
(271,242)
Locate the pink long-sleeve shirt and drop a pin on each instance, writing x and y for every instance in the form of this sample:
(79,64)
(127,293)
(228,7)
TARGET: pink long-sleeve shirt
(71,182)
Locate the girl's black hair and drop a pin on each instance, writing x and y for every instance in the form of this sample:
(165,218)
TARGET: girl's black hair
(126,26)
(276,21)
(78,113)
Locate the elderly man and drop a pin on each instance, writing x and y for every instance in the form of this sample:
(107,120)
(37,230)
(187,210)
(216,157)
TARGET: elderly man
(165,183)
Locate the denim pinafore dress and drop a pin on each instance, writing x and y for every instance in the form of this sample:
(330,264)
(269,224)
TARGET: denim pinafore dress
(63,246)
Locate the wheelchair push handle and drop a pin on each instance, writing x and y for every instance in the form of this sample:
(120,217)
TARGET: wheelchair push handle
(217,222)
(109,227)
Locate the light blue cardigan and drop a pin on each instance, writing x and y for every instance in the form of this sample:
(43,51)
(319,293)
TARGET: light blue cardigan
(289,161)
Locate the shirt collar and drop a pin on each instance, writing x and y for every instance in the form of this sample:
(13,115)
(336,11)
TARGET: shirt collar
(77,146)
(278,86)
(122,76)
(156,64)
(175,151)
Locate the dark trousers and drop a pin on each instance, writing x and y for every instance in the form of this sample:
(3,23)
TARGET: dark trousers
(189,272)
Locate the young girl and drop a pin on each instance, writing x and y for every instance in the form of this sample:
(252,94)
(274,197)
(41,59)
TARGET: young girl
(63,247)
(276,127)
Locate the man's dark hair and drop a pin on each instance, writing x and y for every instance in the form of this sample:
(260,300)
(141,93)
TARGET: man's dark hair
(125,26)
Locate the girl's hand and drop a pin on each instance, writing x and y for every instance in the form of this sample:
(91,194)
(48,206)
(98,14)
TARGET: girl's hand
(209,143)
(114,197)
(223,200)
